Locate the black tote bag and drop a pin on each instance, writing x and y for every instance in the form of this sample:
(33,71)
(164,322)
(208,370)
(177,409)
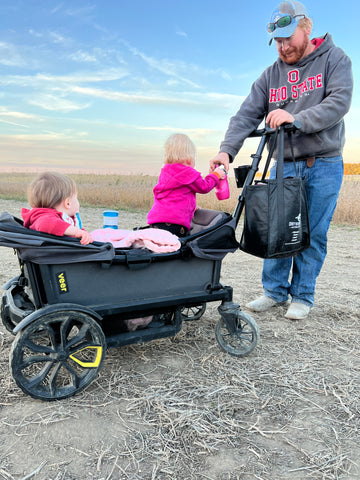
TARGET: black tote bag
(276,222)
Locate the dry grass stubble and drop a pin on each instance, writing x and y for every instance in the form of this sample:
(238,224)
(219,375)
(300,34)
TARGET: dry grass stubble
(181,409)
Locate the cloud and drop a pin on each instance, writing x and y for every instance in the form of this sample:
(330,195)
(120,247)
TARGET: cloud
(81,56)
(190,131)
(42,80)
(56,103)
(225,99)
(166,67)
(6,113)
(178,72)
(57,8)
(10,56)
(84,12)
(106,75)
(58,38)
(181,33)
(212,100)
(35,33)
(13,123)
(128,97)
(48,136)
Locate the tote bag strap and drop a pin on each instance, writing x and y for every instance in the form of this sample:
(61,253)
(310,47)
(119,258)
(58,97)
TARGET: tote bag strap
(270,154)
(280,183)
(280,159)
(280,188)
(292,151)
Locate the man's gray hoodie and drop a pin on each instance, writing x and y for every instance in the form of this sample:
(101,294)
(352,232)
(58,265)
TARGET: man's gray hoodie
(316,91)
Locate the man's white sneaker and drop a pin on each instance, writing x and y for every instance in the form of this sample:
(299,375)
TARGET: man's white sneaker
(297,311)
(262,304)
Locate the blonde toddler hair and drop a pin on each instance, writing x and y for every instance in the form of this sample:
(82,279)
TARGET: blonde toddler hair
(49,189)
(179,149)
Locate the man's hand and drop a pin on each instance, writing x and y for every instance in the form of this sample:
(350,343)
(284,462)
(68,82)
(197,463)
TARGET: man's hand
(221,158)
(278,117)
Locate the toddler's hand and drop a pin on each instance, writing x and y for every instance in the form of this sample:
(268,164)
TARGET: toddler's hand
(85,237)
(220,172)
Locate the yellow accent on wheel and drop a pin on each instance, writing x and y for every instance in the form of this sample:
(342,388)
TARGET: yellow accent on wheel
(93,364)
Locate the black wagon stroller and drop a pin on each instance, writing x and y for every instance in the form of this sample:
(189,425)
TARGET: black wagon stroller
(71,302)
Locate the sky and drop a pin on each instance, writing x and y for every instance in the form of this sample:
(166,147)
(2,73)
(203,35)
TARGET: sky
(99,85)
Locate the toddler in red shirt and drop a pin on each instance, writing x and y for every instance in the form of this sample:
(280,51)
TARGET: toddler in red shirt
(55,207)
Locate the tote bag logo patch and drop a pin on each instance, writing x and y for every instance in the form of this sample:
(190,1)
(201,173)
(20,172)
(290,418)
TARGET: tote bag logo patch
(295,228)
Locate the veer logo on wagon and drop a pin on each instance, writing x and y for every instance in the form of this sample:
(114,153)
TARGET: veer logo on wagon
(62,282)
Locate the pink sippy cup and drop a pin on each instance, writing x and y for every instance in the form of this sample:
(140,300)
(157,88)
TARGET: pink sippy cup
(222,189)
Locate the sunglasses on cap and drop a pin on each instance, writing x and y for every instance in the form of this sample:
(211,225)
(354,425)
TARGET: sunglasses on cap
(282,22)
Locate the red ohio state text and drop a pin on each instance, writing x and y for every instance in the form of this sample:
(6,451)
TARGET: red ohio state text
(296,89)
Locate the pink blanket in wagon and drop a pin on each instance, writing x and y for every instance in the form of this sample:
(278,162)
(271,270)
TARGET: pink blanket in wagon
(155,239)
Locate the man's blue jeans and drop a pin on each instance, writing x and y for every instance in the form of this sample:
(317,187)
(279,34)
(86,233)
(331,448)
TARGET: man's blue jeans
(323,182)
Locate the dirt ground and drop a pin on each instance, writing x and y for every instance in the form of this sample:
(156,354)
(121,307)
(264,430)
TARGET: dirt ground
(181,409)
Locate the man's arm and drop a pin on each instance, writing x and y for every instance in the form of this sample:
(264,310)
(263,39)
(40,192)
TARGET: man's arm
(337,100)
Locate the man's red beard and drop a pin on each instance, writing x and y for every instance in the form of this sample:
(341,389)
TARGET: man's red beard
(294,54)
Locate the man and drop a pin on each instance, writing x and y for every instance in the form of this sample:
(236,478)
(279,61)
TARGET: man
(310,82)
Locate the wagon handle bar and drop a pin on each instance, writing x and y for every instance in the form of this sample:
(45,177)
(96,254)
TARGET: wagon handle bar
(288,127)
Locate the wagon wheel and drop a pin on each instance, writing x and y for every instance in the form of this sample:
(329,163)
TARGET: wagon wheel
(57,355)
(6,320)
(243,340)
(193,313)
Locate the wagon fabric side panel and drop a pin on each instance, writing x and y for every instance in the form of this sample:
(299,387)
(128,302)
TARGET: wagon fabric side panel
(43,248)
(215,243)
(122,284)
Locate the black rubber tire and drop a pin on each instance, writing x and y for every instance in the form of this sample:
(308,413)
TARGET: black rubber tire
(243,341)
(7,322)
(193,313)
(57,355)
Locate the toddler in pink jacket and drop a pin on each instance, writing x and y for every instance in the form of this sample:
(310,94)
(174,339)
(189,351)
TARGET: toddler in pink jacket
(179,182)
